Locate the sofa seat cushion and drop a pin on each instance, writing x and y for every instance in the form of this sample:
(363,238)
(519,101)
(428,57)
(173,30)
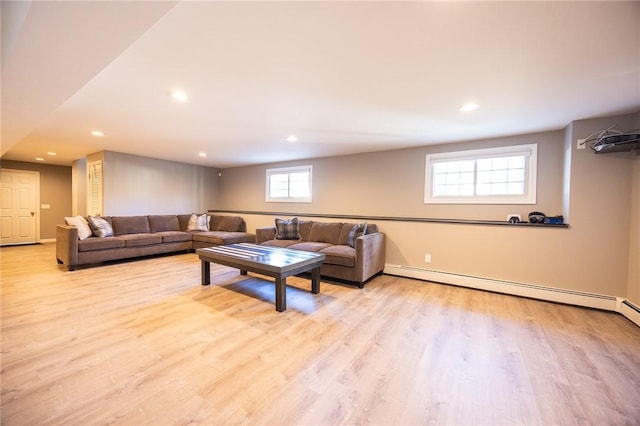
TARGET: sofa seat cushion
(309,246)
(97,243)
(280,243)
(174,236)
(136,240)
(342,255)
(223,237)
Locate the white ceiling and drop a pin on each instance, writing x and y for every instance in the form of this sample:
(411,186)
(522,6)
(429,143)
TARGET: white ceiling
(345,77)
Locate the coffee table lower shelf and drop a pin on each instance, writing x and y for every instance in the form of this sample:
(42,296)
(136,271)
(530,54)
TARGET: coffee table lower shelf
(275,262)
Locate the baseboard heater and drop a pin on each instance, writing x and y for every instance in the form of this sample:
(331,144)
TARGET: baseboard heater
(551,294)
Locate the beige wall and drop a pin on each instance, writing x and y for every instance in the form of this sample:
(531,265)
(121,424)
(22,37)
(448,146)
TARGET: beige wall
(55,190)
(391,183)
(135,185)
(592,255)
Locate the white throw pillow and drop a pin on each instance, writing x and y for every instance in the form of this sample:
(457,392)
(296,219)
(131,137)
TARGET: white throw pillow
(84,231)
(198,222)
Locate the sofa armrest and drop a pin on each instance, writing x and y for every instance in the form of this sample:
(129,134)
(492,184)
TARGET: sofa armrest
(67,245)
(370,255)
(265,234)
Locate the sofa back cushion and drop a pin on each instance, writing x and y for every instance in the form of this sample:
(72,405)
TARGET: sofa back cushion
(214,221)
(183,219)
(130,225)
(229,224)
(160,223)
(344,234)
(305,229)
(325,232)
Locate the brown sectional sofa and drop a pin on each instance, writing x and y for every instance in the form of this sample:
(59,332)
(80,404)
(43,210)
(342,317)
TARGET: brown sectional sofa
(356,264)
(135,236)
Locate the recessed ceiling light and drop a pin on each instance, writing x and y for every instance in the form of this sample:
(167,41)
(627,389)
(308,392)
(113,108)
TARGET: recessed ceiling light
(469,107)
(202,154)
(179,96)
(39,159)
(97,133)
(51,153)
(292,138)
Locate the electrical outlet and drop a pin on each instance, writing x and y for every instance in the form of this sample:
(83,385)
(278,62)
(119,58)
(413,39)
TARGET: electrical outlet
(580,144)
(427,258)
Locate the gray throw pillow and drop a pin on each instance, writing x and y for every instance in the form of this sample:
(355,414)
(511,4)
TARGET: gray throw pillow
(100,227)
(287,229)
(357,231)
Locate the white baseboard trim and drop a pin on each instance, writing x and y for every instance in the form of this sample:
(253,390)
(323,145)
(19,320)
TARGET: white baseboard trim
(551,294)
(629,310)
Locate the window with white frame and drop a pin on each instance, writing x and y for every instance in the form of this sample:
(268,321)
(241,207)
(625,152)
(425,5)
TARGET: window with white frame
(289,184)
(505,175)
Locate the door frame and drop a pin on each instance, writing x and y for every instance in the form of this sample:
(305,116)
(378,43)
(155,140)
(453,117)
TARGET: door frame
(37,200)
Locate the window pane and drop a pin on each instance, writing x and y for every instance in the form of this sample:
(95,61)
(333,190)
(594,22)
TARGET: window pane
(289,184)
(278,186)
(516,162)
(499,176)
(483,189)
(515,188)
(493,175)
(453,178)
(516,175)
(467,166)
(453,167)
(452,190)
(466,178)
(484,164)
(439,168)
(499,163)
(498,188)
(298,185)
(484,177)
(466,190)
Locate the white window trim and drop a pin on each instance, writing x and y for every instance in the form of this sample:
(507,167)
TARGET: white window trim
(530,196)
(285,170)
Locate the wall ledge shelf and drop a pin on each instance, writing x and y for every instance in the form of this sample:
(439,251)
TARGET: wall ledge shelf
(395,219)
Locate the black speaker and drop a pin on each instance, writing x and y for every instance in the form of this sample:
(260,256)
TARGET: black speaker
(537,217)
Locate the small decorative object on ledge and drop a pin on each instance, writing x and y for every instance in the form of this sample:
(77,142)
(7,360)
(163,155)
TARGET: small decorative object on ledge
(610,140)
(554,220)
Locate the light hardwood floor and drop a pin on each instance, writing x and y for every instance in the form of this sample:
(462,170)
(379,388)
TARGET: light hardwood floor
(143,343)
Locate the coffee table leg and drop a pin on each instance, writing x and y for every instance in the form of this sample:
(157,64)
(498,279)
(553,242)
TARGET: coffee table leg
(281,294)
(315,280)
(206,272)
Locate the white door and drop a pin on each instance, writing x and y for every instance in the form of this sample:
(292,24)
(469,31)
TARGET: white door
(19,195)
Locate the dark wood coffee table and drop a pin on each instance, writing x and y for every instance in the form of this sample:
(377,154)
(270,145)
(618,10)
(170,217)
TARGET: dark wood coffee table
(275,262)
